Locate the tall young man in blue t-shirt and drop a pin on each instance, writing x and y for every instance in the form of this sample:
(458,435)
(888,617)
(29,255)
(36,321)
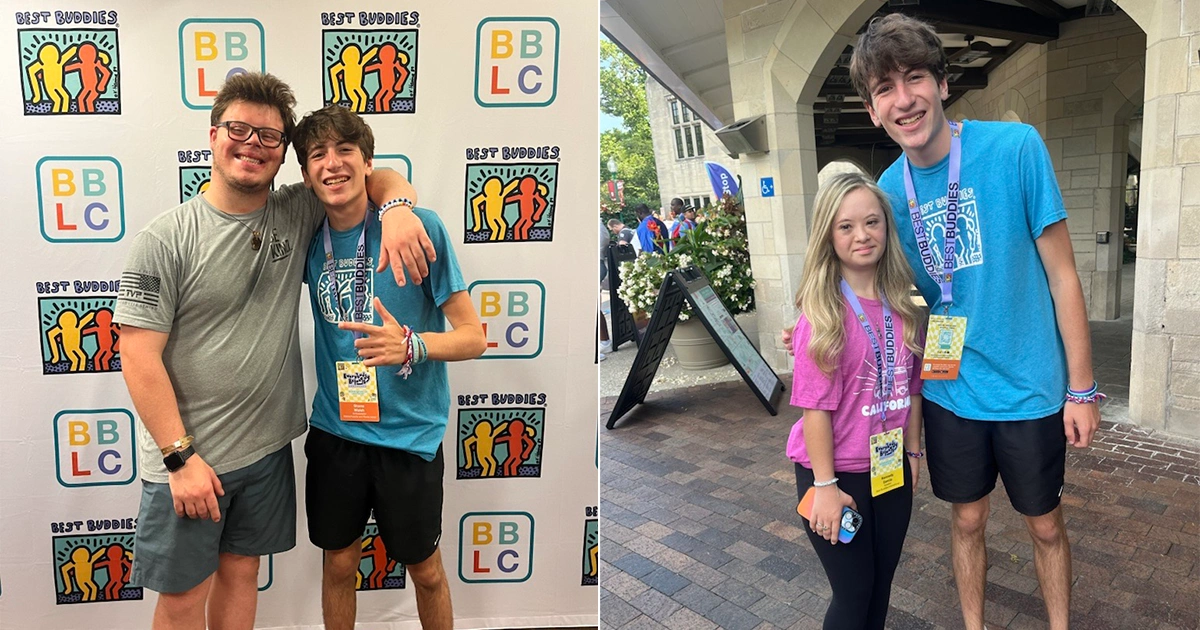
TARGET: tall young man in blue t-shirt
(1007,313)
(375,442)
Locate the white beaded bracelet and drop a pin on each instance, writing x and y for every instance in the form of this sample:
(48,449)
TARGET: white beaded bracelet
(822,484)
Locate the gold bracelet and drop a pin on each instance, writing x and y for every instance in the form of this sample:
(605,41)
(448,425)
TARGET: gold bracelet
(177,445)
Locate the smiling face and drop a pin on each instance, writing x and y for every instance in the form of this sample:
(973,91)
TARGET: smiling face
(908,105)
(859,230)
(246,166)
(337,172)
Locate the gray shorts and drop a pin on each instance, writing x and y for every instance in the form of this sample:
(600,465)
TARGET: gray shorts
(258,517)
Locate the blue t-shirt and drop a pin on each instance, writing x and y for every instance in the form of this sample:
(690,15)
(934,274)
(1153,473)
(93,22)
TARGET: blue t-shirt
(1014,364)
(413,413)
(650,232)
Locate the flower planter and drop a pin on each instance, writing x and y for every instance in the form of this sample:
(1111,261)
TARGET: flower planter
(695,348)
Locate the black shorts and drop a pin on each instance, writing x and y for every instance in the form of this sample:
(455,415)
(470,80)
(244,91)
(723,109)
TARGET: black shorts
(965,455)
(347,480)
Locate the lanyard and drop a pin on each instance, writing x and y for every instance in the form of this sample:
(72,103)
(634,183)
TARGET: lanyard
(885,366)
(945,280)
(360,273)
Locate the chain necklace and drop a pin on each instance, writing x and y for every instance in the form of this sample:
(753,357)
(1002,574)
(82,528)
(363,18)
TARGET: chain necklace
(256,239)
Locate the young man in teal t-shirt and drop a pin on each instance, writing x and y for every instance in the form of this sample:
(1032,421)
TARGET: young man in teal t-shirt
(375,441)
(986,193)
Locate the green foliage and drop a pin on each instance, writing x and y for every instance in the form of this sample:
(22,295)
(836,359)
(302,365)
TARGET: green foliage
(717,246)
(623,94)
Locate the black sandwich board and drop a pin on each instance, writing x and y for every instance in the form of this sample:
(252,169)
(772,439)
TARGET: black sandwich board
(691,285)
(623,327)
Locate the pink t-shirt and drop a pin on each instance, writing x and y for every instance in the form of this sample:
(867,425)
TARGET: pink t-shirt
(849,394)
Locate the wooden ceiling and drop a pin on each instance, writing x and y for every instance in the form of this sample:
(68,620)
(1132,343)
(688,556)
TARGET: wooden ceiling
(978,36)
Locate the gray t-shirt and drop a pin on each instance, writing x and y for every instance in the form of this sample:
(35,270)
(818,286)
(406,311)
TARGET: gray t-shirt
(233,352)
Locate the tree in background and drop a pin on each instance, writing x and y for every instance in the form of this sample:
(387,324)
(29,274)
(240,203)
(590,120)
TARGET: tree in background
(623,94)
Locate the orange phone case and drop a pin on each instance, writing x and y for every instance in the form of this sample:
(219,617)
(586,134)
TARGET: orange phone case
(805,507)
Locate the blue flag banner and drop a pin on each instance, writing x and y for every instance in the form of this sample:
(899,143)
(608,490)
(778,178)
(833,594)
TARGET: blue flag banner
(723,182)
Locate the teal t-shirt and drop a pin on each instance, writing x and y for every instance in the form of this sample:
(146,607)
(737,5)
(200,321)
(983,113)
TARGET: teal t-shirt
(1014,364)
(413,413)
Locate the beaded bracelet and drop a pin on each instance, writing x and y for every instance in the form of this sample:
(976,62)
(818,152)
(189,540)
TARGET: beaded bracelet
(822,484)
(917,455)
(1085,397)
(399,201)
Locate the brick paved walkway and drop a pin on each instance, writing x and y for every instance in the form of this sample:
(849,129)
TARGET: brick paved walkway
(699,529)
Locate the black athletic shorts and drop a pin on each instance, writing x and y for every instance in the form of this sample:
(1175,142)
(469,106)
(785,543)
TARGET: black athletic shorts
(347,480)
(965,455)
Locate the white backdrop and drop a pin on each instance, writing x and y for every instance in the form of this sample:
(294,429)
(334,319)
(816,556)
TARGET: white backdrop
(119,135)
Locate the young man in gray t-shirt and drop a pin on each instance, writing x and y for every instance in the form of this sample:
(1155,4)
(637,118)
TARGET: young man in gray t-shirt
(210,347)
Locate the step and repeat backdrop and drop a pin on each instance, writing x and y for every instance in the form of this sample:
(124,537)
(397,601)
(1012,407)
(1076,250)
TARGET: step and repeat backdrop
(489,108)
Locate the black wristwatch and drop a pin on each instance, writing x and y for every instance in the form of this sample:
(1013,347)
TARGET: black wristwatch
(175,460)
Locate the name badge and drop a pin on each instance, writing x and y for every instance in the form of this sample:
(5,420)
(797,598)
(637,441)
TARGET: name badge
(358,393)
(943,347)
(887,461)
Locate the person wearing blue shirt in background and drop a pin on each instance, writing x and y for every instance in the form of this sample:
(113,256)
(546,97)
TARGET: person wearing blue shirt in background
(652,233)
(375,442)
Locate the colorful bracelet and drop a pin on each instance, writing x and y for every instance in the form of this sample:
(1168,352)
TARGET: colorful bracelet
(399,201)
(421,351)
(1086,396)
(917,455)
(406,367)
(822,484)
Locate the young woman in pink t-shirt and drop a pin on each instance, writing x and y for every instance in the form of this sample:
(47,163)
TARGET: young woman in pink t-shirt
(857,346)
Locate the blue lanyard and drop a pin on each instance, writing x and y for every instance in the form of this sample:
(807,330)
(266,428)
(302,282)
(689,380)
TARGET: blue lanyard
(885,359)
(945,279)
(360,273)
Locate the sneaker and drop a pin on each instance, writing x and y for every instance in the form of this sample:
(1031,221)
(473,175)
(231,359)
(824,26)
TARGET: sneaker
(606,346)
(603,356)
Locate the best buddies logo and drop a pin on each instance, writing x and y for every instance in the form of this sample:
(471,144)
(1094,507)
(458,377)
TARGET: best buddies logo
(376,571)
(370,71)
(498,442)
(591,548)
(512,199)
(93,566)
(69,70)
(75,321)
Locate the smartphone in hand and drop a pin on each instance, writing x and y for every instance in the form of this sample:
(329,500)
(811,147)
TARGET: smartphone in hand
(851,520)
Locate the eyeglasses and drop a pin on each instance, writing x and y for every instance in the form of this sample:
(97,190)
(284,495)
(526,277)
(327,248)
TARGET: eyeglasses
(240,132)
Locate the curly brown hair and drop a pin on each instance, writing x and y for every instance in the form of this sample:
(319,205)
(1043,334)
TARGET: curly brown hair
(332,122)
(895,42)
(261,89)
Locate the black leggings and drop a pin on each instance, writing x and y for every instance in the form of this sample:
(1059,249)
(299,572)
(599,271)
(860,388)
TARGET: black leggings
(860,572)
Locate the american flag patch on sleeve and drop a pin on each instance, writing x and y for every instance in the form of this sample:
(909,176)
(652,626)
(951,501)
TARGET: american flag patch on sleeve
(140,288)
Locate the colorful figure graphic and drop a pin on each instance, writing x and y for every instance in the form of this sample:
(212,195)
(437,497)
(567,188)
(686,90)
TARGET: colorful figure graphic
(370,71)
(382,565)
(393,72)
(117,561)
(489,207)
(530,198)
(69,71)
(108,338)
(70,332)
(351,68)
(82,568)
(92,66)
(94,568)
(50,68)
(483,440)
(591,553)
(500,443)
(520,446)
(78,335)
(516,196)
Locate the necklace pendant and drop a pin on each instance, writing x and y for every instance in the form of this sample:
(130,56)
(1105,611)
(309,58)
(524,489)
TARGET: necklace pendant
(255,240)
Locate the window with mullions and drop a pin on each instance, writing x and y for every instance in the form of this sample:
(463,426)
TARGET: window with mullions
(689,137)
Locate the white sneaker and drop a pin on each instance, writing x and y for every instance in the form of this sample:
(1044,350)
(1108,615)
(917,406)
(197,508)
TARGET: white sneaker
(606,346)
(603,356)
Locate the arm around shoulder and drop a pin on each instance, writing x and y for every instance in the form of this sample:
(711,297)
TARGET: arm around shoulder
(404,244)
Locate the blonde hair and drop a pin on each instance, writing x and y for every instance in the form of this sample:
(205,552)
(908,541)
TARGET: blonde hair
(820,296)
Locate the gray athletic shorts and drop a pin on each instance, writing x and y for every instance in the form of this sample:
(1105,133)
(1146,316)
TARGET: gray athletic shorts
(258,517)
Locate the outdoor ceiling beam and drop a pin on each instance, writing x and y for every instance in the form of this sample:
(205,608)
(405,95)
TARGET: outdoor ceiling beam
(623,34)
(1046,8)
(985,19)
